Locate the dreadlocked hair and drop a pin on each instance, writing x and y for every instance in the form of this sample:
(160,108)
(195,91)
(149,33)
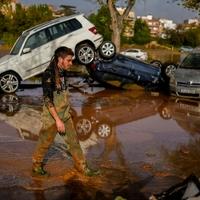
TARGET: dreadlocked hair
(60,52)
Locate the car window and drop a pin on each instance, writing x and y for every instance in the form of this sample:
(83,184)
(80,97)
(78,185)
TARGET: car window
(15,50)
(74,24)
(63,28)
(36,40)
(57,31)
(192,61)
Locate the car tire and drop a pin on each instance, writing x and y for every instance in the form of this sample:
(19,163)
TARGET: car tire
(107,49)
(9,103)
(170,70)
(85,54)
(103,129)
(83,127)
(156,63)
(9,82)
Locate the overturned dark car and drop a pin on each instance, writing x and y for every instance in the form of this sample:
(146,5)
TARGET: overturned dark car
(124,72)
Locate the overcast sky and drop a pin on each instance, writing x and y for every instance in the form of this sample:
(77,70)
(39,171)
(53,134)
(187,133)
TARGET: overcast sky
(158,8)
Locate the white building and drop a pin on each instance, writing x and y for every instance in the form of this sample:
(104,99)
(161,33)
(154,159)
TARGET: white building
(192,21)
(168,24)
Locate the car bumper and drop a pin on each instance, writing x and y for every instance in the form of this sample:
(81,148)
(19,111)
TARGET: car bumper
(183,91)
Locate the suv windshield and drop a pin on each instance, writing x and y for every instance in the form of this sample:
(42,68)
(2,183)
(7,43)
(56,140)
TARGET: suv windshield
(192,61)
(18,44)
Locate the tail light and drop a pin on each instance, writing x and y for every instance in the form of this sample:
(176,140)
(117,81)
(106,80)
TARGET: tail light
(93,30)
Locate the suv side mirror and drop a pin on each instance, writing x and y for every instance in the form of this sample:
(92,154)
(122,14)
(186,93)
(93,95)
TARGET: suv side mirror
(26,50)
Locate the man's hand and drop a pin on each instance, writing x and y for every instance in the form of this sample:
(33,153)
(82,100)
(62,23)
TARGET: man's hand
(59,123)
(60,126)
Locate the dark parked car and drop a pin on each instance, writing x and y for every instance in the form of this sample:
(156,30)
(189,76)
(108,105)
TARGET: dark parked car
(122,71)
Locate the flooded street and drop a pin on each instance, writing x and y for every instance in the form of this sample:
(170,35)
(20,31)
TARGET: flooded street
(143,142)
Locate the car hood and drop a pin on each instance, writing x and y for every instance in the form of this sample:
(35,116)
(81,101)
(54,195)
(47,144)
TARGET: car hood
(6,59)
(183,74)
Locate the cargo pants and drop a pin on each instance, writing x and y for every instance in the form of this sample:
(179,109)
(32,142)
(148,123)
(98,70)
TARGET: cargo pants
(49,131)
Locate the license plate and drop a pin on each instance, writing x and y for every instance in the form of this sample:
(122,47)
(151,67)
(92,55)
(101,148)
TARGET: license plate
(188,91)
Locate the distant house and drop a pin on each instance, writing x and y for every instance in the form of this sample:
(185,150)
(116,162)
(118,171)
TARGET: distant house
(154,25)
(168,24)
(190,24)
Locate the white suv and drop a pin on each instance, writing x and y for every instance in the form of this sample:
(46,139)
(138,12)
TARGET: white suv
(33,50)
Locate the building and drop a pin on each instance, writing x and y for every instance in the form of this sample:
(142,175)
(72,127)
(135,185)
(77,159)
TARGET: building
(168,24)
(194,21)
(190,24)
(155,26)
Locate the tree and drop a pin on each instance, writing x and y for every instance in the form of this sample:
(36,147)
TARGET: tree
(191,4)
(68,10)
(117,18)
(102,21)
(142,32)
(38,13)
(12,25)
(192,37)
(175,37)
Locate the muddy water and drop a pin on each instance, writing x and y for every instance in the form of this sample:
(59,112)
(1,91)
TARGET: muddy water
(142,142)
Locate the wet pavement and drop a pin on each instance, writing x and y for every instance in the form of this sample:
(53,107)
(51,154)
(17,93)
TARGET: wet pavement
(143,142)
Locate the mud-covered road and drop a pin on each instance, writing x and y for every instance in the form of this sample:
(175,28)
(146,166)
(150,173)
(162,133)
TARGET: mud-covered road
(143,142)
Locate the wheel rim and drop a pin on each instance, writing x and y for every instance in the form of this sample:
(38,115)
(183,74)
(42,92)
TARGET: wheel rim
(83,127)
(166,113)
(10,98)
(104,130)
(170,70)
(86,55)
(9,83)
(108,49)
(156,63)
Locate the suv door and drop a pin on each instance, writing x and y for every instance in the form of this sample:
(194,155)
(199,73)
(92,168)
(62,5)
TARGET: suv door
(35,55)
(65,34)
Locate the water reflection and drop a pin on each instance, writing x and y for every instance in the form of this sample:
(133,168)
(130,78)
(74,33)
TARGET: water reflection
(185,158)
(98,116)
(184,111)
(102,112)
(22,113)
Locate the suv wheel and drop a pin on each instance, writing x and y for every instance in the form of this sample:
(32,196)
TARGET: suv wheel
(85,54)
(107,50)
(103,130)
(9,82)
(83,127)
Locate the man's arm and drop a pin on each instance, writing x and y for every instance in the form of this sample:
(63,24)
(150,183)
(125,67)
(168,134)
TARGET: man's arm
(47,84)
